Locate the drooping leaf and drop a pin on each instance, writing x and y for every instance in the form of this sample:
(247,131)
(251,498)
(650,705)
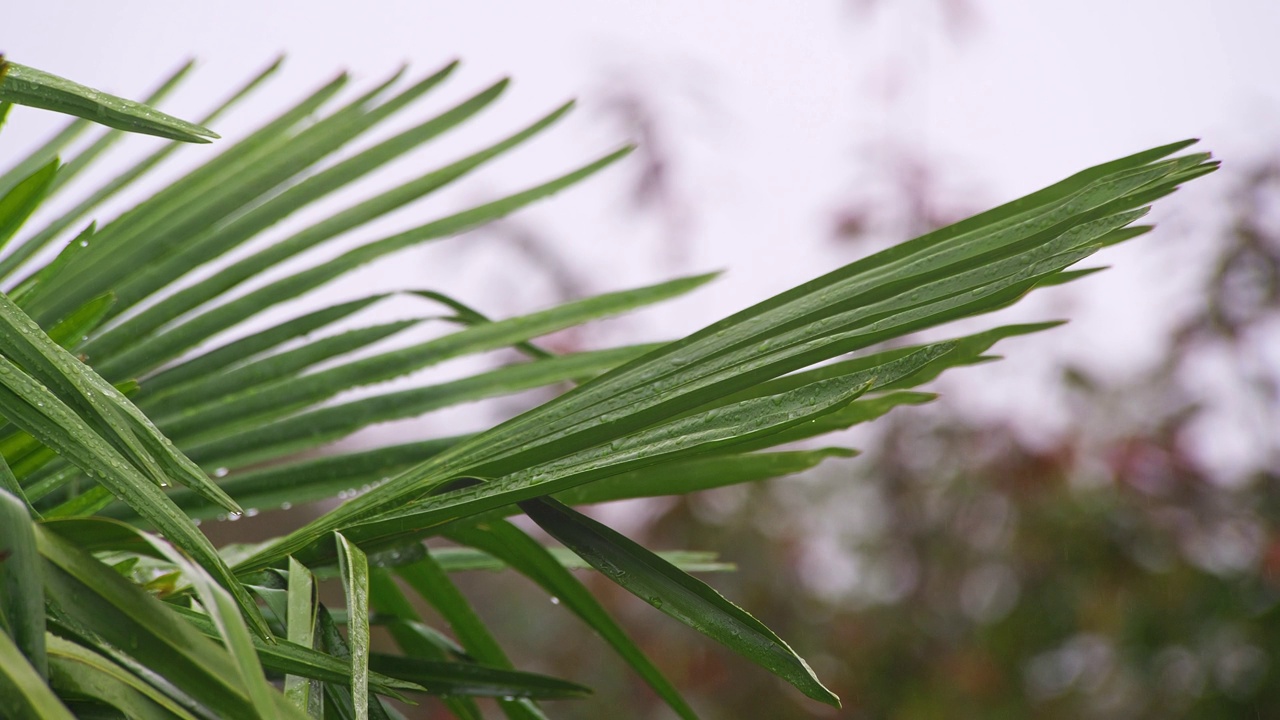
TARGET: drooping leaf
(506,542)
(676,594)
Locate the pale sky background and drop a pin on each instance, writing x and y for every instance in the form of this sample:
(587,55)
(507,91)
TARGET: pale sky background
(773,114)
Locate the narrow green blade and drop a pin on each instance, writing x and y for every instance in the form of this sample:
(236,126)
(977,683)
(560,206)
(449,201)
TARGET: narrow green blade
(155,350)
(475,680)
(235,636)
(301,626)
(462,559)
(19,203)
(118,618)
(418,640)
(80,672)
(263,371)
(24,85)
(286,657)
(41,155)
(42,414)
(21,598)
(56,226)
(295,483)
(415,640)
(115,418)
(676,439)
(339,697)
(9,484)
(355,582)
(188,299)
(676,594)
(23,692)
(74,328)
(233,354)
(246,442)
(506,542)
(298,392)
(700,473)
(85,158)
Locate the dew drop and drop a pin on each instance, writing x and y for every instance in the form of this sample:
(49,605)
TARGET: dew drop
(220,472)
(286,505)
(555,600)
(251,512)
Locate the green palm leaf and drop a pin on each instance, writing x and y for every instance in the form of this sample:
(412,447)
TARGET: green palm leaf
(140,380)
(24,85)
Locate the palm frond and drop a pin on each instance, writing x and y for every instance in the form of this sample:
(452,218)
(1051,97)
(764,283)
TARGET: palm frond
(130,389)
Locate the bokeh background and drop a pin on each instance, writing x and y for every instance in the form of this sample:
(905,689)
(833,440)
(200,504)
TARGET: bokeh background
(1087,529)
